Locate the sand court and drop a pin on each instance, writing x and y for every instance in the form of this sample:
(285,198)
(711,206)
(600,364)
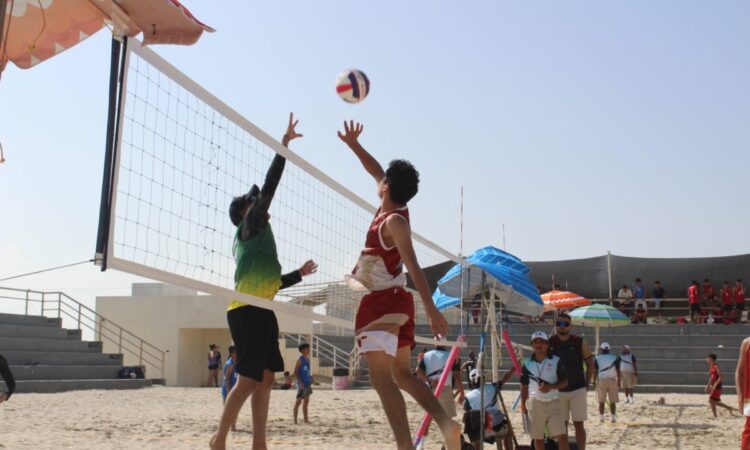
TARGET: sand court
(185,418)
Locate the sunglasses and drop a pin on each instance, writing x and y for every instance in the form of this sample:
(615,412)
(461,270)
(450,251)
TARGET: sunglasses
(563,323)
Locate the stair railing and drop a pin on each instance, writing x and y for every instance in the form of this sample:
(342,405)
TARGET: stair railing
(67,309)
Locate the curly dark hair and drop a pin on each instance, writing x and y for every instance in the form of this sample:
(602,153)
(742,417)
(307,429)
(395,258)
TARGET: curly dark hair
(403,181)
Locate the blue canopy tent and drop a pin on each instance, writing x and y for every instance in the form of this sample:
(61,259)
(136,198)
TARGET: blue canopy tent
(498,277)
(490,267)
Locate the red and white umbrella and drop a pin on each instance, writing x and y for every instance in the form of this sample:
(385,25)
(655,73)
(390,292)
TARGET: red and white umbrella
(555,300)
(36,30)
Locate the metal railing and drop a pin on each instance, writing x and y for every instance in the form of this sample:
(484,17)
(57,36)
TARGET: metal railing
(77,316)
(322,349)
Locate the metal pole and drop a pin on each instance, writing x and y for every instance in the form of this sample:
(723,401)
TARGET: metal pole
(483,311)
(59,305)
(41,313)
(79,316)
(609,276)
(27,303)
(3,7)
(119,344)
(116,67)
(162,366)
(140,354)
(493,334)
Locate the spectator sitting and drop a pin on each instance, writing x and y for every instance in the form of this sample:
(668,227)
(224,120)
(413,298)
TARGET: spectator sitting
(639,293)
(709,294)
(640,315)
(658,294)
(625,299)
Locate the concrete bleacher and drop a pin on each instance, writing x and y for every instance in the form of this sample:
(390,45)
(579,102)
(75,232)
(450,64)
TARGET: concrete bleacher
(44,357)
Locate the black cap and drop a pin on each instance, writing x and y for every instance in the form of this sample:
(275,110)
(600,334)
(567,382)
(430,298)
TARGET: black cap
(239,204)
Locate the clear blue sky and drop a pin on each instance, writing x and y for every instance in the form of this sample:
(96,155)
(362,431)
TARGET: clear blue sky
(584,127)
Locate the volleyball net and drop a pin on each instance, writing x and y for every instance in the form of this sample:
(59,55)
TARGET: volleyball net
(181,155)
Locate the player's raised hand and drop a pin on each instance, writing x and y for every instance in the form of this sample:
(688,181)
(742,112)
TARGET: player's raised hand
(308,268)
(351,133)
(291,133)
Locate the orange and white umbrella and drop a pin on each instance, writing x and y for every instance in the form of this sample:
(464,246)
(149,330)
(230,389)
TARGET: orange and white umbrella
(554,300)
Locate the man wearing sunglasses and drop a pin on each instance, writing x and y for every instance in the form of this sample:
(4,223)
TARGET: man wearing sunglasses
(573,352)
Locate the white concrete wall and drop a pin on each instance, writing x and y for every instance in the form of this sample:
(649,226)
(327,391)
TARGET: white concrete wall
(182,324)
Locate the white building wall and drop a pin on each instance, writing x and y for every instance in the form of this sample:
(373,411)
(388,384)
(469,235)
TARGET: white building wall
(183,324)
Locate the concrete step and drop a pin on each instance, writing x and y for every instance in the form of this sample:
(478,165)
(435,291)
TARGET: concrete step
(679,378)
(39,321)
(50,345)
(55,372)
(42,332)
(49,386)
(511,391)
(25,358)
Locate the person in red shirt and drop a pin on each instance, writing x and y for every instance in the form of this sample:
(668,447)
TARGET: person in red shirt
(714,386)
(694,299)
(739,299)
(726,302)
(709,293)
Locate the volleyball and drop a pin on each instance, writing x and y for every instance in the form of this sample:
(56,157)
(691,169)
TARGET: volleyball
(352,85)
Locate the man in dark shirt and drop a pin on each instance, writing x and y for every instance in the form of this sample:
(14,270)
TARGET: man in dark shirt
(573,351)
(657,294)
(10,382)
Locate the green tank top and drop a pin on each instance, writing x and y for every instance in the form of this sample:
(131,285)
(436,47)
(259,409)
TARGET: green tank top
(258,269)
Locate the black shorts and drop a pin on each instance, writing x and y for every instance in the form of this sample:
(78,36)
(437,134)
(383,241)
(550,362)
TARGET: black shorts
(255,332)
(695,307)
(739,306)
(473,423)
(213,367)
(728,307)
(304,392)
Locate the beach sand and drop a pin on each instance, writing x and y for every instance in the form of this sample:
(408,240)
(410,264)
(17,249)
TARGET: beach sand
(185,418)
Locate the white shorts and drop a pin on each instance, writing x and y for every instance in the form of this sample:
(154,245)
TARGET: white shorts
(377,341)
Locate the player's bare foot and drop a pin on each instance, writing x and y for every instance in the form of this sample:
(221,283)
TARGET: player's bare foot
(213,444)
(451,435)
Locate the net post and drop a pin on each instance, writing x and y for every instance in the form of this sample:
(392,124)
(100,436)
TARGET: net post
(117,64)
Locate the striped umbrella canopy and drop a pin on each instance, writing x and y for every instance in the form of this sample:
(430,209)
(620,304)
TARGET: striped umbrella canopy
(598,316)
(506,272)
(563,300)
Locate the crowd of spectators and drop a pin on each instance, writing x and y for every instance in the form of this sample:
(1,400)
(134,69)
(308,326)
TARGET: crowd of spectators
(706,305)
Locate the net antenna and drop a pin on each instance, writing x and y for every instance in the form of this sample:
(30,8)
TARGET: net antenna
(177,155)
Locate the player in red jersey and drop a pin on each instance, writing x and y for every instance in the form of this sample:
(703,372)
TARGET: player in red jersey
(384,324)
(714,386)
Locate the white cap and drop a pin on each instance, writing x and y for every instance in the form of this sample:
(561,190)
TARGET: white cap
(604,346)
(474,375)
(626,346)
(539,335)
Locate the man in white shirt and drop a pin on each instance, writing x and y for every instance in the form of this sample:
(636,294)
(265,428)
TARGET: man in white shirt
(542,376)
(608,380)
(629,370)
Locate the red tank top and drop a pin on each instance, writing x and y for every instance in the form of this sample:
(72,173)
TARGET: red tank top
(379,267)
(693,296)
(714,374)
(726,296)
(739,294)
